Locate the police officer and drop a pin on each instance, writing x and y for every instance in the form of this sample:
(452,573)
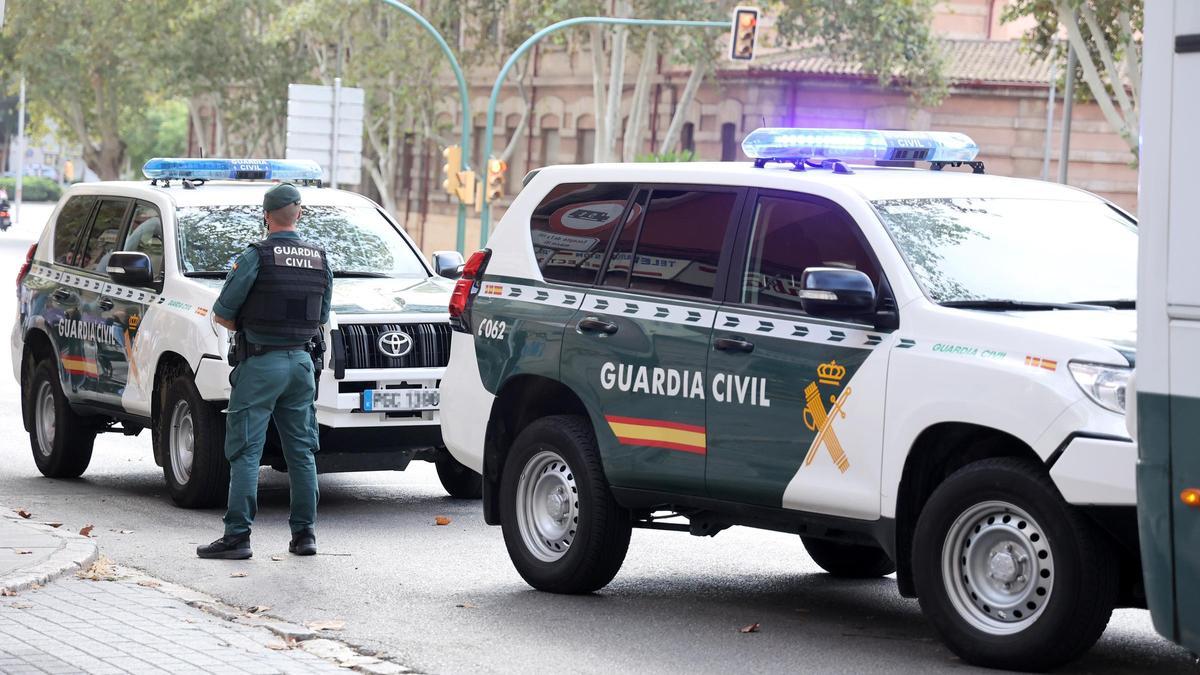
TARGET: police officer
(277,297)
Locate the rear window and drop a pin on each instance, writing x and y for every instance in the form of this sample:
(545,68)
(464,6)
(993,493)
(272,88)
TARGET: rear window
(71,221)
(572,227)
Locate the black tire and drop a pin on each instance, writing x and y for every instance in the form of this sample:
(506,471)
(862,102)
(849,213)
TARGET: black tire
(850,561)
(67,449)
(459,481)
(206,483)
(1071,568)
(599,542)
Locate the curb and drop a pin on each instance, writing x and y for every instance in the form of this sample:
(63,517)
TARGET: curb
(74,553)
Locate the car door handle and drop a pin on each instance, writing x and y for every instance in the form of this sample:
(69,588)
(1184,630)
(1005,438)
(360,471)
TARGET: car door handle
(594,325)
(106,304)
(733,345)
(62,295)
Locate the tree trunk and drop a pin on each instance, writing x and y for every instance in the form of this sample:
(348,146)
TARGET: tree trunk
(1126,128)
(616,85)
(598,90)
(106,159)
(671,138)
(636,126)
(198,126)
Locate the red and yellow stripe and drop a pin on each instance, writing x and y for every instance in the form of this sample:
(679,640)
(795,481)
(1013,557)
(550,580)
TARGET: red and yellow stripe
(1039,362)
(78,365)
(658,434)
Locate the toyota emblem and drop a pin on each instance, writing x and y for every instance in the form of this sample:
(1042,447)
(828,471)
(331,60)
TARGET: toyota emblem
(395,344)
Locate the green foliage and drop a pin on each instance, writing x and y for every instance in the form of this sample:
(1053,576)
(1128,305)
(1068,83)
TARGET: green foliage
(163,133)
(33,188)
(673,156)
(890,39)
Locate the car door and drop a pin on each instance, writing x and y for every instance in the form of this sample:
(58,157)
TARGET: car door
(124,306)
(96,360)
(637,346)
(795,418)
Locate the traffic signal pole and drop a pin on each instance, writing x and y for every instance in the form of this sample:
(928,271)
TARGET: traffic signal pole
(461,237)
(486,207)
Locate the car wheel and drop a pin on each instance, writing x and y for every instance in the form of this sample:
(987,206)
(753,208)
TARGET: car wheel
(564,531)
(1010,575)
(459,481)
(61,440)
(192,433)
(852,561)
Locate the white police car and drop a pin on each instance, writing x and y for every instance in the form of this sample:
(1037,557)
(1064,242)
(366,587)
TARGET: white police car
(115,333)
(916,371)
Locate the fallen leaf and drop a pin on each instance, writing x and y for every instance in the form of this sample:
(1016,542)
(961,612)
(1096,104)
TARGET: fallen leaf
(258,609)
(278,645)
(24,514)
(7,593)
(86,530)
(52,524)
(149,583)
(467,605)
(752,628)
(101,570)
(21,605)
(276,558)
(24,552)
(35,587)
(122,531)
(326,624)
(441,520)
(238,575)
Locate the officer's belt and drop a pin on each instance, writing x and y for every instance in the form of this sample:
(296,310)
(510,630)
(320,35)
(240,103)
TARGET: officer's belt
(259,350)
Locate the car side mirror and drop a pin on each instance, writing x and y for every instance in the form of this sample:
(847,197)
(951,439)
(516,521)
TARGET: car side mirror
(448,264)
(835,292)
(129,268)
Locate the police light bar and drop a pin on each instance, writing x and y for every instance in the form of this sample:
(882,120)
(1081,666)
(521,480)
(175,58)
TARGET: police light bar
(178,168)
(864,145)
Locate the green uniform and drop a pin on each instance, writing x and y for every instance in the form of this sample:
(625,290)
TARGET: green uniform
(276,384)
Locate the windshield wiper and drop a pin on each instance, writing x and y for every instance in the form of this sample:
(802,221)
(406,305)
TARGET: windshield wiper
(999,305)
(207,274)
(1126,303)
(348,274)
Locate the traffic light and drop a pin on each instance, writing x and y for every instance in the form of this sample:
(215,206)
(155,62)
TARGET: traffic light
(495,178)
(452,185)
(745,28)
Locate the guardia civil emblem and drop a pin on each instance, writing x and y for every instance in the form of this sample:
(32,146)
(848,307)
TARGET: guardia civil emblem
(820,419)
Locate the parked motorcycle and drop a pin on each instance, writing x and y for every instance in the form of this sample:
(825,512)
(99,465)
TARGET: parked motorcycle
(5,219)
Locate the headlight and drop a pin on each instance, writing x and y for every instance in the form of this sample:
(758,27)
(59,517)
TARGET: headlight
(1103,384)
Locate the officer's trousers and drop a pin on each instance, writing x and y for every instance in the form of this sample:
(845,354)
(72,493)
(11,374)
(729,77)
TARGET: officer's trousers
(276,384)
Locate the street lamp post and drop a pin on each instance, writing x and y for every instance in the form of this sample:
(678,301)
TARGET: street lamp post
(486,207)
(466,107)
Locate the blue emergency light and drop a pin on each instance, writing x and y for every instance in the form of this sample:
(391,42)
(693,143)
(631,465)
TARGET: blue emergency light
(179,168)
(860,145)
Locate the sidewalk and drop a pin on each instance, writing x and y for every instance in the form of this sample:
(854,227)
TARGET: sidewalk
(100,618)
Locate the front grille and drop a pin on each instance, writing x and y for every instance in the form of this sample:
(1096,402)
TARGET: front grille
(431,345)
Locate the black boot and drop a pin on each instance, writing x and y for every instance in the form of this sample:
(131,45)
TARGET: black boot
(229,547)
(304,542)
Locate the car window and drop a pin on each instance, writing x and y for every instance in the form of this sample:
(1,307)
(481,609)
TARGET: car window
(617,272)
(146,236)
(71,221)
(102,237)
(679,243)
(790,235)
(572,226)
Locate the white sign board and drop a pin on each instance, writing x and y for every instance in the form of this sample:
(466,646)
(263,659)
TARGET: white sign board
(311,120)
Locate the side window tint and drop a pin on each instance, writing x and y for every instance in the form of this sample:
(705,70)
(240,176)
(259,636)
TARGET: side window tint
(102,238)
(791,235)
(680,241)
(146,236)
(572,226)
(617,272)
(71,221)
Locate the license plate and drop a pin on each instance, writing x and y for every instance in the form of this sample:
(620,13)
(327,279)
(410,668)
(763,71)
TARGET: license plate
(386,400)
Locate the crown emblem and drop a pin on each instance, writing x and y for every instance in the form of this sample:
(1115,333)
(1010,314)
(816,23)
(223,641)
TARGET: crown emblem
(831,373)
(134,321)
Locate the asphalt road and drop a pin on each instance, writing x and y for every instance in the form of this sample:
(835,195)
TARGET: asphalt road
(447,600)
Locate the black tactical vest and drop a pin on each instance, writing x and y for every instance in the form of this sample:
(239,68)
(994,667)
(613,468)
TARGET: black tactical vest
(285,300)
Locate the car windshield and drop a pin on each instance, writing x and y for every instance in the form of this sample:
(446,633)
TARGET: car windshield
(1019,251)
(358,240)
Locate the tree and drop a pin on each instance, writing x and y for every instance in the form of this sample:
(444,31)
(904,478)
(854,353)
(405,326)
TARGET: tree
(1106,36)
(80,75)
(161,133)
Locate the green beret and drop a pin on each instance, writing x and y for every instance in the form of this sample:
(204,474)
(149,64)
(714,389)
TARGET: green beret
(284,194)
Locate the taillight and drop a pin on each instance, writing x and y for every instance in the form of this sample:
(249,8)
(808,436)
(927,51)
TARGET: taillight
(465,290)
(25,267)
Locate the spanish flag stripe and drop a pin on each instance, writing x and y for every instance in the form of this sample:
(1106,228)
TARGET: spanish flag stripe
(614,419)
(698,450)
(78,365)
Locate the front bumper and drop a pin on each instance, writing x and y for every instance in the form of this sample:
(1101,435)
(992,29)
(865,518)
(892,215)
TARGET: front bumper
(1097,471)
